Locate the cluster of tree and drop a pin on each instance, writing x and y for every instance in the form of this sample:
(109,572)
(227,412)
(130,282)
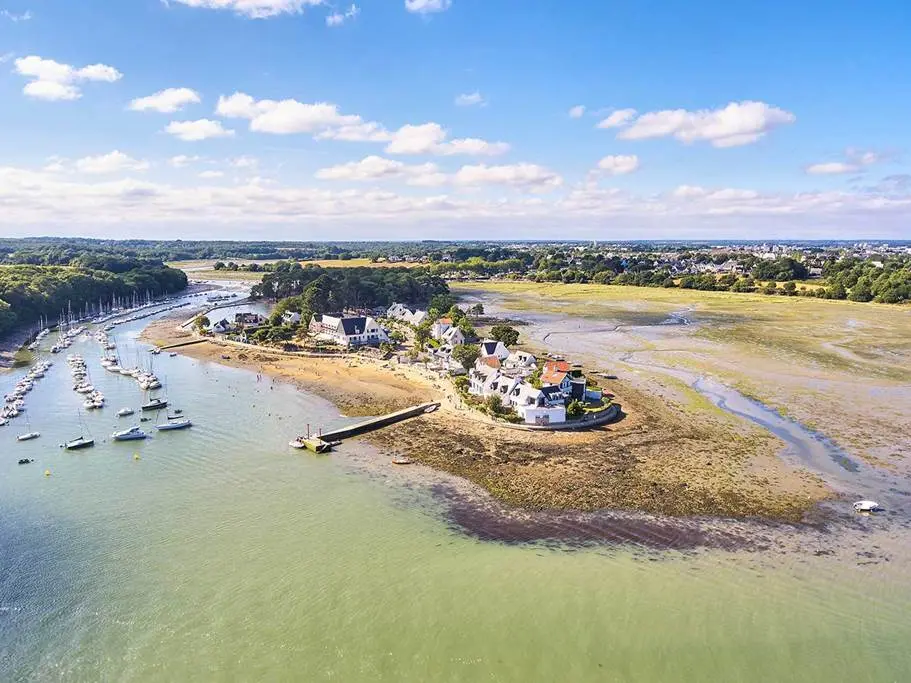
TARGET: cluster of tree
(30,292)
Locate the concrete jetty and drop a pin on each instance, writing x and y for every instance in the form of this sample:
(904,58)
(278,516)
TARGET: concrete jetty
(377,422)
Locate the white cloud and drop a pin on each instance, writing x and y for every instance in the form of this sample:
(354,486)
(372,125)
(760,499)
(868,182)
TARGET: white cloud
(244,162)
(166,101)
(34,200)
(54,81)
(618,118)
(378,168)
(832,168)
(287,116)
(208,175)
(339,18)
(182,160)
(619,164)
(739,123)
(254,9)
(16,18)
(474,99)
(577,112)
(324,121)
(114,162)
(203,129)
(6,56)
(856,161)
(528,176)
(431,138)
(427,6)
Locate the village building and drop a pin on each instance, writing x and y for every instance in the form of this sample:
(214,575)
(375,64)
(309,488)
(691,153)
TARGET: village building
(348,331)
(454,336)
(291,317)
(521,360)
(489,347)
(569,379)
(406,315)
(222,326)
(249,318)
(439,328)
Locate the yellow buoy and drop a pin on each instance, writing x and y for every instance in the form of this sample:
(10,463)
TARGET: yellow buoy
(135,456)
(47,473)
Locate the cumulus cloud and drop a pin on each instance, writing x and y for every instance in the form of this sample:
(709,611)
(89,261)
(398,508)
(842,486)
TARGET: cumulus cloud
(856,161)
(253,9)
(54,81)
(36,199)
(339,18)
(324,121)
(427,6)
(577,112)
(193,131)
(474,99)
(739,123)
(166,101)
(618,118)
(527,176)
(378,168)
(114,162)
(431,138)
(288,116)
(16,18)
(619,164)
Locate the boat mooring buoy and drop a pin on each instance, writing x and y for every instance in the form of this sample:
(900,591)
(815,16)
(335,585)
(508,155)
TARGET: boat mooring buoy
(47,473)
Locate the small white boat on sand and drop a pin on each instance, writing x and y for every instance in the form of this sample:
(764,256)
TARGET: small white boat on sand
(866,506)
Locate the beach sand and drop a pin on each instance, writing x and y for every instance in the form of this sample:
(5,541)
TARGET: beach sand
(662,457)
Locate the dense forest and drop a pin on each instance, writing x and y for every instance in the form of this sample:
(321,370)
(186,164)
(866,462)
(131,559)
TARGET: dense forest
(29,292)
(334,289)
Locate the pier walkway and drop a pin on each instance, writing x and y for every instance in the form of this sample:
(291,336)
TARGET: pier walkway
(377,422)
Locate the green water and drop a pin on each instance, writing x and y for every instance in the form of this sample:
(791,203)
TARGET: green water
(221,555)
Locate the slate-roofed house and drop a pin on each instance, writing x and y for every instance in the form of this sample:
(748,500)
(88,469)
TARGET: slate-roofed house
(222,326)
(538,406)
(454,336)
(291,317)
(489,347)
(249,318)
(348,331)
(520,360)
(439,327)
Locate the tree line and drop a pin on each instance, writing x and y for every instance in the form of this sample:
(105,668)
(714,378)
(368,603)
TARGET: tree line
(31,292)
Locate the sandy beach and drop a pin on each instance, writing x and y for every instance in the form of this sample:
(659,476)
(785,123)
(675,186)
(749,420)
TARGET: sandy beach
(659,458)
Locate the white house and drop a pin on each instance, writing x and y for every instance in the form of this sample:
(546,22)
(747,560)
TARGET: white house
(401,312)
(489,347)
(537,406)
(520,360)
(222,326)
(291,317)
(454,336)
(348,331)
(439,327)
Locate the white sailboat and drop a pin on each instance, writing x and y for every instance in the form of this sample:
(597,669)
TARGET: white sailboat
(29,435)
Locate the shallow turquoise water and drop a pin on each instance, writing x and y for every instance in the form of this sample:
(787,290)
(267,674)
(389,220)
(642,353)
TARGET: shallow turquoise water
(221,555)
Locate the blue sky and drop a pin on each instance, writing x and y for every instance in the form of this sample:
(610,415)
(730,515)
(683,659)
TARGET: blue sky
(303,119)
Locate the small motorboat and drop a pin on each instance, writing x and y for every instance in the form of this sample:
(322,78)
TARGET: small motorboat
(866,506)
(125,412)
(28,436)
(26,461)
(173,354)
(298,444)
(79,443)
(131,434)
(174,425)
